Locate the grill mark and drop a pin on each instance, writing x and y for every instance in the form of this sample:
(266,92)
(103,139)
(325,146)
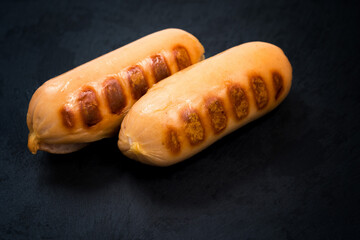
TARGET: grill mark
(260,91)
(159,67)
(89,107)
(172,141)
(67,116)
(193,128)
(239,101)
(115,97)
(182,57)
(278,84)
(137,82)
(217,114)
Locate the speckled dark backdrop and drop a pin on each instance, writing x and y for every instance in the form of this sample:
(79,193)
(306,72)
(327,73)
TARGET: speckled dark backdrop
(294,174)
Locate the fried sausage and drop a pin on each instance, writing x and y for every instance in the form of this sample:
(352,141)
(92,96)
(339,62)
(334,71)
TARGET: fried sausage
(89,102)
(194,108)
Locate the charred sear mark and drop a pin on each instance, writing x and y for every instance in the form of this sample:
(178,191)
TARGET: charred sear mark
(172,141)
(68,117)
(260,91)
(194,130)
(89,107)
(278,84)
(239,101)
(114,95)
(217,114)
(137,81)
(159,67)
(182,57)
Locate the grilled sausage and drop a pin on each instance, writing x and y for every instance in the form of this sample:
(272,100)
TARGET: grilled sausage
(194,108)
(89,102)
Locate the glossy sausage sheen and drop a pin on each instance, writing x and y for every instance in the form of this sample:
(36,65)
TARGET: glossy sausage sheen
(199,105)
(89,102)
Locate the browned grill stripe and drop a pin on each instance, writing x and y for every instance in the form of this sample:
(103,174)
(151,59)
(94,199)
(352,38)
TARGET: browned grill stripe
(260,91)
(159,67)
(172,141)
(194,129)
(217,114)
(137,81)
(67,116)
(114,95)
(278,84)
(239,101)
(89,107)
(182,57)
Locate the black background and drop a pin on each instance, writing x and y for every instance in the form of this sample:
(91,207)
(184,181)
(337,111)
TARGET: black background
(293,174)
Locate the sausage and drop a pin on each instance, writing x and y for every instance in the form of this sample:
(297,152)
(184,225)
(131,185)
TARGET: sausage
(196,107)
(89,102)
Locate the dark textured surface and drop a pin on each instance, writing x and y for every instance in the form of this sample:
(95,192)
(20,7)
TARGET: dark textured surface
(294,174)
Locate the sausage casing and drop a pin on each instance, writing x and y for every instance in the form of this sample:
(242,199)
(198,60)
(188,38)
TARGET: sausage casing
(89,102)
(194,108)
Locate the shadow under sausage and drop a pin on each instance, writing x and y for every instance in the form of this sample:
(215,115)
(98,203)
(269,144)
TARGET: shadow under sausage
(88,169)
(205,178)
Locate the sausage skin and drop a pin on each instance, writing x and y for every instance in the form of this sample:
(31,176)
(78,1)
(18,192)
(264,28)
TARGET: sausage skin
(89,102)
(196,107)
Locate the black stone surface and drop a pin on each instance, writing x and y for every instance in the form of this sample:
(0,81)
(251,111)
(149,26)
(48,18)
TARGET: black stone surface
(293,174)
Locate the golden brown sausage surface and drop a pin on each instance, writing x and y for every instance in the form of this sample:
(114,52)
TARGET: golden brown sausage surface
(193,108)
(89,102)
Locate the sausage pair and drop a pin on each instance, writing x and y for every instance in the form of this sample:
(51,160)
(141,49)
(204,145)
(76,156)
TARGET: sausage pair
(177,117)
